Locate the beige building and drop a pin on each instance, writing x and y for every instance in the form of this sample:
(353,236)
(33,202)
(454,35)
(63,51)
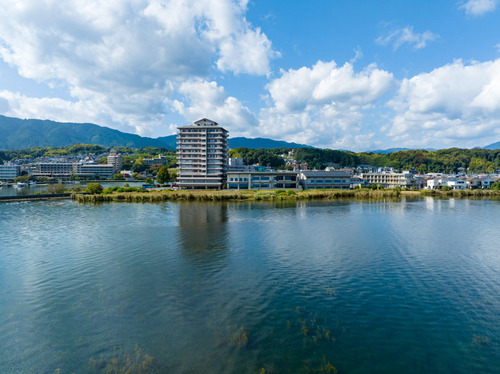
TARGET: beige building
(388,179)
(116,160)
(202,155)
(158,160)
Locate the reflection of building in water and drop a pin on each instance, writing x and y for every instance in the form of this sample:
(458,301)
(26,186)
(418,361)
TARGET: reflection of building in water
(203,231)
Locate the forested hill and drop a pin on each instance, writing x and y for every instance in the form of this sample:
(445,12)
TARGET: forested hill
(18,133)
(26,133)
(445,160)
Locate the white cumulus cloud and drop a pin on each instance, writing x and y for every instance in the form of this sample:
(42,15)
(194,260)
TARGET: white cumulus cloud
(206,99)
(123,58)
(453,104)
(324,105)
(478,7)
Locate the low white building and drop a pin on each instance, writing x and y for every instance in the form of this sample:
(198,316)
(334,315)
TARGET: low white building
(334,179)
(258,180)
(9,172)
(68,169)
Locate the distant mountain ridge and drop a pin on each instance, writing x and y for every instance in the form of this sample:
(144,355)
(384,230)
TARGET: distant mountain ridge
(263,143)
(18,133)
(393,150)
(237,142)
(493,146)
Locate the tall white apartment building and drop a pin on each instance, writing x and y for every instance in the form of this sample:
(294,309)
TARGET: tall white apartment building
(202,155)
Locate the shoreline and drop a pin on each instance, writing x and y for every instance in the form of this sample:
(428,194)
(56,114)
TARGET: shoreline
(253,195)
(273,195)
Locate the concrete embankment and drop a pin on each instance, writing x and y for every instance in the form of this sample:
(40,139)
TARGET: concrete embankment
(35,197)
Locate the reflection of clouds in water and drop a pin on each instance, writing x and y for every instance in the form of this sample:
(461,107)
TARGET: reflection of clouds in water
(203,231)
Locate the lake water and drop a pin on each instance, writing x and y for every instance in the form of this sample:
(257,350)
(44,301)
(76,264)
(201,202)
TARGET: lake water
(367,287)
(42,188)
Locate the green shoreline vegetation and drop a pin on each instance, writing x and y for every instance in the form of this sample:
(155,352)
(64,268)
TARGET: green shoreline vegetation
(267,195)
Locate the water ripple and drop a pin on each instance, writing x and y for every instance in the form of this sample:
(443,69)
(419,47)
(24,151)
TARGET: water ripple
(242,286)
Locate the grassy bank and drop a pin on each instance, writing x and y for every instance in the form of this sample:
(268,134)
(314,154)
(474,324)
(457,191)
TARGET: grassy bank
(272,195)
(461,193)
(231,195)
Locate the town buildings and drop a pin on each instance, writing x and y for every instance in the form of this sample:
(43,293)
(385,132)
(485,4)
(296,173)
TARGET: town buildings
(202,155)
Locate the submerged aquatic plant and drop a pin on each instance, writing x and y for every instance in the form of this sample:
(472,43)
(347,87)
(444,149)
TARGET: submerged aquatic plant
(480,340)
(124,362)
(241,338)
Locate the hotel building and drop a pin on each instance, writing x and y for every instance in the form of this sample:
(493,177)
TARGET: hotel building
(202,155)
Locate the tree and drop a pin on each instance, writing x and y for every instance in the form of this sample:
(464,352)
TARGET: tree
(138,176)
(139,165)
(76,188)
(55,188)
(118,177)
(94,188)
(163,175)
(22,178)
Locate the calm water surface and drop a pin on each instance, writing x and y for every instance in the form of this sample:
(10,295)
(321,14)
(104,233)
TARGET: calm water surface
(42,188)
(385,287)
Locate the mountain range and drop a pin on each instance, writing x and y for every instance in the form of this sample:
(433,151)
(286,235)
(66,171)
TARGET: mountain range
(18,133)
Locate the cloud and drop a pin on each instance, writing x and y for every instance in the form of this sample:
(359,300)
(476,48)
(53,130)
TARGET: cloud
(123,58)
(324,105)
(453,104)
(478,7)
(207,99)
(406,35)
(136,114)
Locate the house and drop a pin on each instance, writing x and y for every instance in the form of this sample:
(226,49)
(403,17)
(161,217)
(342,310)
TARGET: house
(486,182)
(473,183)
(457,184)
(436,182)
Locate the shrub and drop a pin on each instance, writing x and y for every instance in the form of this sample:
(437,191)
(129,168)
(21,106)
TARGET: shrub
(94,188)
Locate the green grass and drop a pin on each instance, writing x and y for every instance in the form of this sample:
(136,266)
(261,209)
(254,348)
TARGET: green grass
(461,193)
(232,195)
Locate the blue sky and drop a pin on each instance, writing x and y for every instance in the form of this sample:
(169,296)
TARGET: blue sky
(355,75)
